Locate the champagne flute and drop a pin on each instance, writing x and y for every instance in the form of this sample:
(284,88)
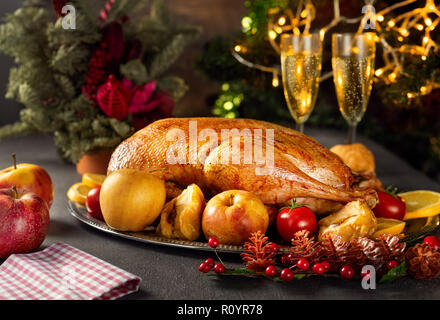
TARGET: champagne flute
(353,71)
(300,68)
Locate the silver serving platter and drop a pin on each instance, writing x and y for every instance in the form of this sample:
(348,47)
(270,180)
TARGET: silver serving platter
(149,235)
(414,230)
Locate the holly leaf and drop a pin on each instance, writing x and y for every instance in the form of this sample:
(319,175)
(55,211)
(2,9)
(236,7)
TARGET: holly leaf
(299,276)
(234,272)
(395,273)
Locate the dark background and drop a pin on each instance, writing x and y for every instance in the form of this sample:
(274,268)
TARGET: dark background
(215,16)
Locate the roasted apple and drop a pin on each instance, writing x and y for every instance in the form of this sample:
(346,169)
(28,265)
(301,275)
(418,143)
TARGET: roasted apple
(354,220)
(232,216)
(181,217)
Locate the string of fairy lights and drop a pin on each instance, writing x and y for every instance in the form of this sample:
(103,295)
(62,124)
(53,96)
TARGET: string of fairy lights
(423,20)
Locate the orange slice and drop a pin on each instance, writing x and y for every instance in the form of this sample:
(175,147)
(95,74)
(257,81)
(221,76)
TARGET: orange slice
(388,226)
(421,204)
(93,180)
(78,193)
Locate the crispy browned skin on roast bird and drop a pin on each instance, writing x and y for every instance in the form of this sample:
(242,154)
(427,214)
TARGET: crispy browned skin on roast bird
(302,167)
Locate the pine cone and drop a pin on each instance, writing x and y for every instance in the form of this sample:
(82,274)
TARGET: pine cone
(391,247)
(258,254)
(423,261)
(303,247)
(355,256)
(372,252)
(333,250)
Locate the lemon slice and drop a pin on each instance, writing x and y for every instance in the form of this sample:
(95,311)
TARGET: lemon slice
(388,226)
(93,180)
(78,193)
(421,204)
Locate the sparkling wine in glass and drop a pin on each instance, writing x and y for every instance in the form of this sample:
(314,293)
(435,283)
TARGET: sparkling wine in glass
(353,58)
(301,68)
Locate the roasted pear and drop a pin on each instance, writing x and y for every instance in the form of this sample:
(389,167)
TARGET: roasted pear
(181,217)
(354,220)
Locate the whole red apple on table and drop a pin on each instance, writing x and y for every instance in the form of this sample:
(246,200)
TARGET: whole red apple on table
(28,177)
(24,218)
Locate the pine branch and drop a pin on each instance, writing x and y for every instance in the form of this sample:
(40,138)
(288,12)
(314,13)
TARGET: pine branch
(168,55)
(135,70)
(66,86)
(160,12)
(16,129)
(173,85)
(70,60)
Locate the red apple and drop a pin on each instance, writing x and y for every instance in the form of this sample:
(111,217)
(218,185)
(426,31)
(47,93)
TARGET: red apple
(28,177)
(24,220)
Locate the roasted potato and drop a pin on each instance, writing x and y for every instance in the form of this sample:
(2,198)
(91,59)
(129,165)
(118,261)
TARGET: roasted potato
(354,220)
(356,156)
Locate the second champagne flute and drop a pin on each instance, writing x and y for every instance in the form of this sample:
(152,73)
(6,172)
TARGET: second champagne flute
(301,68)
(353,71)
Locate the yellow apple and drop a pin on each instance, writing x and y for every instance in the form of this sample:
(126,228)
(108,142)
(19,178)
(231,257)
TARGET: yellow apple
(131,199)
(231,217)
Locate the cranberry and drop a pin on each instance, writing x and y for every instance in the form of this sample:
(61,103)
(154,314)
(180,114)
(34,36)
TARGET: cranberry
(286,275)
(302,264)
(284,259)
(271,271)
(274,247)
(346,272)
(204,267)
(213,242)
(392,264)
(318,268)
(219,268)
(210,262)
(326,266)
(433,241)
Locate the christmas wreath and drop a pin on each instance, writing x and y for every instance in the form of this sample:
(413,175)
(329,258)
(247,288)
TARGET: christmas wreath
(95,84)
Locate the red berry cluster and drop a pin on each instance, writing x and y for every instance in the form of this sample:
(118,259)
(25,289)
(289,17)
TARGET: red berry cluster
(209,263)
(302,265)
(97,73)
(287,274)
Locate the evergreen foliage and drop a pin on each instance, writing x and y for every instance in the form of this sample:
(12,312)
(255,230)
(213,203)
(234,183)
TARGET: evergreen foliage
(51,65)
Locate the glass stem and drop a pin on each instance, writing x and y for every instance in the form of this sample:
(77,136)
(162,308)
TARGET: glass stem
(351,133)
(300,127)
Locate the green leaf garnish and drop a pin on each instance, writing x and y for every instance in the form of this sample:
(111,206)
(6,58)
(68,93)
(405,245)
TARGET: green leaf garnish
(395,273)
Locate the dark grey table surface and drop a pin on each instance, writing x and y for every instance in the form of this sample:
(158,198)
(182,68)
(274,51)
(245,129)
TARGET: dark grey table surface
(171,273)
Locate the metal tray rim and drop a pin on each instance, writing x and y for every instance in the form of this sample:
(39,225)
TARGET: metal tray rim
(79,212)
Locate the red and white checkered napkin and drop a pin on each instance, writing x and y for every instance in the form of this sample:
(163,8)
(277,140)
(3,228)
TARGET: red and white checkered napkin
(63,272)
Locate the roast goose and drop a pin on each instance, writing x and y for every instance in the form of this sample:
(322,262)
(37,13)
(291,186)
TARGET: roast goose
(302,168)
